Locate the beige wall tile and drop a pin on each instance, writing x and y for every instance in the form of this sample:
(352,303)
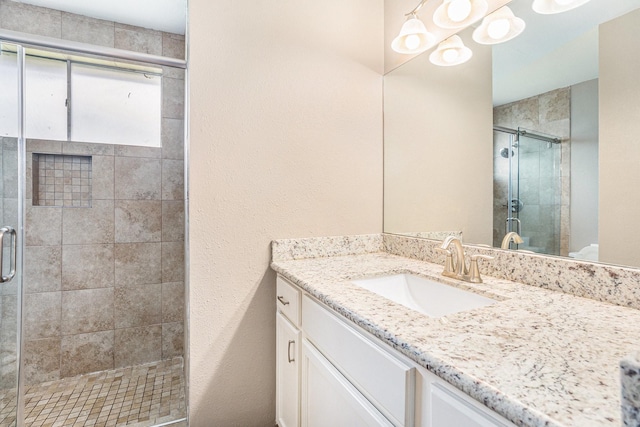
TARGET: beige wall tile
(30,19)
(43,225)
(87,266)
(172,302)
(85,353)
(92,225)
(138,306)
(102,170)
(41,360)
(172,139)
(44,146)
(137,151)
(42,268)
(172,179)
(9,316)
(42,314)
(138,39)
(89,310)
(87,30)
(87,149)
(172,98)
(172,340)
(138,221)
(138,178)
(173,45)
(134,346)
(172,262)
(173,221)
(138,263)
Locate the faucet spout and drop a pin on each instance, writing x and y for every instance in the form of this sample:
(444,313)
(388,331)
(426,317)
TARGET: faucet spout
(460,265)
(509,237)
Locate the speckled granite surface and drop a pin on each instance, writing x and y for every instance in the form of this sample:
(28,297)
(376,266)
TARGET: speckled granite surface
(537,357)
(322,247)
(601,282)
(630,378)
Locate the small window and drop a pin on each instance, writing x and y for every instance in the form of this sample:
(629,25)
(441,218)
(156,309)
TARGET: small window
(114,106)
(119,104)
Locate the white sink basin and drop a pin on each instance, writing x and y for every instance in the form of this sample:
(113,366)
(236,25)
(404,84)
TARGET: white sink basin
(432,298)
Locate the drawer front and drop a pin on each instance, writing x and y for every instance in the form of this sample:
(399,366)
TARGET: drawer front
(385,380)
(329,400)
(288,300)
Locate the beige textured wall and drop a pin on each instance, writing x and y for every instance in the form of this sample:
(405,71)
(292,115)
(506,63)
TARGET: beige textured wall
(438,147)
(619,146)
(286,141)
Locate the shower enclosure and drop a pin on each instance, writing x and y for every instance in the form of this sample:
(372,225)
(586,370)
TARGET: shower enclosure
(527,189)
(92,230)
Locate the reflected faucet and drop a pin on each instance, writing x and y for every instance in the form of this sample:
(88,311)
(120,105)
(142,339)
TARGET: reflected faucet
(509,237)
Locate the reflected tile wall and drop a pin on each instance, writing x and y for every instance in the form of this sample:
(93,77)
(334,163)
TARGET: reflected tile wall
(548,113)
(104,285)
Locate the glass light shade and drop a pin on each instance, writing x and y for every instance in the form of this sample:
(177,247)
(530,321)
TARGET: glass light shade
(498,27)
(451,52)
(548,7)
(413,37)
(453,14)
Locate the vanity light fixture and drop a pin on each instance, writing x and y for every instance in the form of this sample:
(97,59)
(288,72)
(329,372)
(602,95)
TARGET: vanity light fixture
(548,7)
(459,13)
(450,52)
(499,26)
(413,37)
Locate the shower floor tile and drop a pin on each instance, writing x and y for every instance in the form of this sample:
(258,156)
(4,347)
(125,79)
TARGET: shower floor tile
(139,396)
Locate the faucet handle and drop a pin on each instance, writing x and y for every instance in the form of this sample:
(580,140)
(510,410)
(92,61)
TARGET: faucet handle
(474,271)
(448,263)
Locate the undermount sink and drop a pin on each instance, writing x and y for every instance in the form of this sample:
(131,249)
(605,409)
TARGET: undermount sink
(432,298)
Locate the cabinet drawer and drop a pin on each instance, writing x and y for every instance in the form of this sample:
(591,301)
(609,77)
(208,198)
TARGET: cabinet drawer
(288,300)
(385,380)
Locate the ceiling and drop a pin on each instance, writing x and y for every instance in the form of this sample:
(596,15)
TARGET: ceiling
(162,15)
(554,51)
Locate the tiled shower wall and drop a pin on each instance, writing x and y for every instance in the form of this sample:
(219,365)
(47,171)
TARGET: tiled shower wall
(104,284)
(548,113)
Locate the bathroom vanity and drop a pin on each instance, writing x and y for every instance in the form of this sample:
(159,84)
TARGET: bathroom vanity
(349,356)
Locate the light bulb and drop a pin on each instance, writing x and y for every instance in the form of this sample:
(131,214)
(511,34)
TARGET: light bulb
(459,10)
(450,55)
(498,29)
(412,41)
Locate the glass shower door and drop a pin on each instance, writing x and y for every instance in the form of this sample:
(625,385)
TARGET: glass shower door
(535,204)
(12,151)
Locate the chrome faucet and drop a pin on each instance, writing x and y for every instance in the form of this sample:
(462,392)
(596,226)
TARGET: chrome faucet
(509,237)
(458,269)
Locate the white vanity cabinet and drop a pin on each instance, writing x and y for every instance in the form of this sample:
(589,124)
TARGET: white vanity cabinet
(343,376)
(288,346)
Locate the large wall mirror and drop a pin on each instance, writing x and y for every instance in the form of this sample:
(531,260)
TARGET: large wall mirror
(537,135)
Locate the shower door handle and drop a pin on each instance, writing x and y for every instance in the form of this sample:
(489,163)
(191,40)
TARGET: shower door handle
(12,255)
(518,225)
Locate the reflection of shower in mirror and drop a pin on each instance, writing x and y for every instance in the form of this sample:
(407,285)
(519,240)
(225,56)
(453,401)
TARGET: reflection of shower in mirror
(505,152)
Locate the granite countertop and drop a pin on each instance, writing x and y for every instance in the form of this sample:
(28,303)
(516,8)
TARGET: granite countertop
(537,357)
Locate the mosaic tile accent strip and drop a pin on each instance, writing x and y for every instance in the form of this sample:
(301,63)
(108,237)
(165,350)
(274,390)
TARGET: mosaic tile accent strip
(138,396)
(61,180)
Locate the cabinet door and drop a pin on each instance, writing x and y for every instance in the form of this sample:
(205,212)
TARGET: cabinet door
(449,409)
(287,373)
(329,399)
